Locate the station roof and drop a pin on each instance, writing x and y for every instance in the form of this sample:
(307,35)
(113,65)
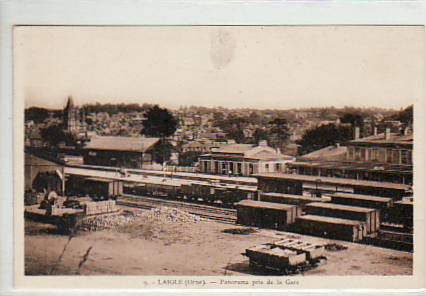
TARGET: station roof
(114,143)
(332,181)
(327,153)
(379,139)
(354,165)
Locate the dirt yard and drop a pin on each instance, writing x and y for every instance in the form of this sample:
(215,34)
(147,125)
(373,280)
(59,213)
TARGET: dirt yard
(184,248)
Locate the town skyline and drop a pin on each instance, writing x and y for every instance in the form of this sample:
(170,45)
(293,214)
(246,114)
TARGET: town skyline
(81,103)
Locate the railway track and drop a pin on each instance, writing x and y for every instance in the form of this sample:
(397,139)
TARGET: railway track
(207,212)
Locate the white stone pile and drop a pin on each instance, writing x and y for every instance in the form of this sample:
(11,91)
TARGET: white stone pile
(170,215)
(160,215)
(106,222)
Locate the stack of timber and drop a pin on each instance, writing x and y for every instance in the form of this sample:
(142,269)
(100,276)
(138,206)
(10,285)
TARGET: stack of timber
(335,228)
(99,207)
(313,252)
(291,199)
(266,214)
(370,217)
(271,257)
(367,201)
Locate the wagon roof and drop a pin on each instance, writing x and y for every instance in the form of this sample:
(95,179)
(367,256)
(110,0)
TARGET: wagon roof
(329,220)
(362,197)
(325,205)
(265,205)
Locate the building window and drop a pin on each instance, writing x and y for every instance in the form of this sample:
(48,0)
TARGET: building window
(216,167)
(277,167)
(350,153)
(251,169)
(357,153)
(406,157)
(388,155)
(374,154)
(395,156)
(239,168)
(224,168)
(267,166)
(363,154)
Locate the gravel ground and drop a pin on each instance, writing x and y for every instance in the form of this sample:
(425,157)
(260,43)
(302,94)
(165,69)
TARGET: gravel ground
(155,243)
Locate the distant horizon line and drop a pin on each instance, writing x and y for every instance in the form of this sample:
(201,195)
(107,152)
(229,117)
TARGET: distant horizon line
(223,107)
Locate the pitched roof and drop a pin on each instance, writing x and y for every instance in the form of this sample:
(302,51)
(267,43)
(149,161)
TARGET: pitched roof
(251,151)
(235,148)
(394,138)
(131,144)
(327,153)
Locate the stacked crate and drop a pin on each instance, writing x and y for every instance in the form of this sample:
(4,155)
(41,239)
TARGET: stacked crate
(99,207)
(273,257)
(266,214)
(370,217)
(335,228)
(313,251)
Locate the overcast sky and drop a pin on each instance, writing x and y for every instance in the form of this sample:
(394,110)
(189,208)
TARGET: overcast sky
(259,67)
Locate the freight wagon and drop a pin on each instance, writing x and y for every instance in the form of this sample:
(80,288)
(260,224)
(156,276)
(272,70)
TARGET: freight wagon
(266,214)
(370,217)
(97,188)
(402,213)
(335,228)
(368,201)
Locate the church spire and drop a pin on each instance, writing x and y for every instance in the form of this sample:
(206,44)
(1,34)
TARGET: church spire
(70,103)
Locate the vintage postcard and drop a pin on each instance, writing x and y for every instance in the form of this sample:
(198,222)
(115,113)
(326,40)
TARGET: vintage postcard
(213,157)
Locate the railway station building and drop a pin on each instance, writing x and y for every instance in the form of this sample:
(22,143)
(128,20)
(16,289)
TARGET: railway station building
(243,160)
(384,157)
(126,152)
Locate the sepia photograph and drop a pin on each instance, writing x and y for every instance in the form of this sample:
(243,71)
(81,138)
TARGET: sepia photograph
(239,152)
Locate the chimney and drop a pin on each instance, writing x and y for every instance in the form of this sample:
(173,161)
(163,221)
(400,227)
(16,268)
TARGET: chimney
(375,131)
(356,133)
(387,133)
(263,143)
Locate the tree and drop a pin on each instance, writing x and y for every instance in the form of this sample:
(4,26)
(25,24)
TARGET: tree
(159,122)
(406,115)
(353,118)
(188,158)
(36,114)
(323,136)
(163,150)
(278,132)
(260,134)
(55,134)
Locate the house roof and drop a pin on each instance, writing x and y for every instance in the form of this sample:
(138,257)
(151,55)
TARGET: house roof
(235,148)
(249,151)
(113,143)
